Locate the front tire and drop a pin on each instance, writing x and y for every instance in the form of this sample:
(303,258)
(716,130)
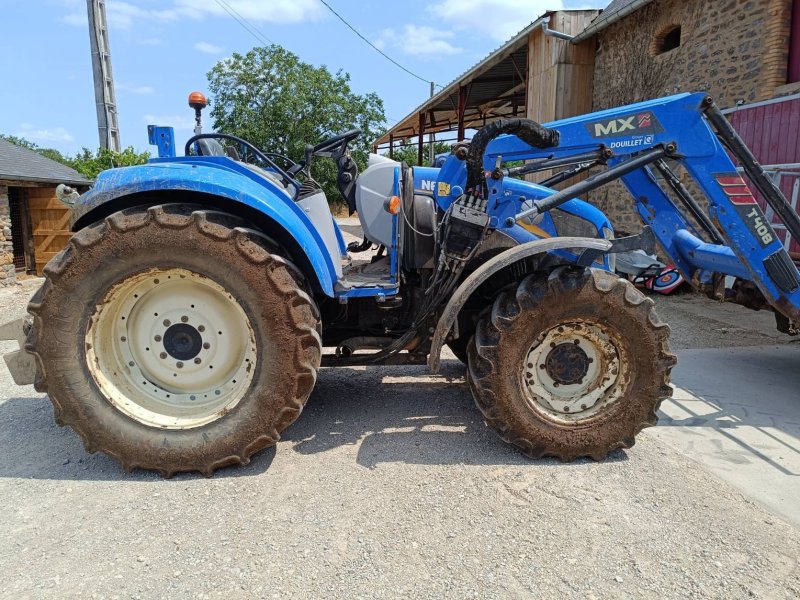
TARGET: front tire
(571,365)
(174,340)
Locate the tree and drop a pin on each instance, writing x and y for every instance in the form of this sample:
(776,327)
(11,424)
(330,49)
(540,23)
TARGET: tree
(279,103)
(410,153)
(92,163)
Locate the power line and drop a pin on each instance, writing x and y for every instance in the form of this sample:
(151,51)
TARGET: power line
(251,29)
(373,46)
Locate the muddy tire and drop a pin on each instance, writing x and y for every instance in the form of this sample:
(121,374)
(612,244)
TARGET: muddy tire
(135,315)
(571,365)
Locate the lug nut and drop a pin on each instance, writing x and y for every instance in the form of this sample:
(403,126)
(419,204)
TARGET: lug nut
(184,319)
(206,345)
(167,322)
(163,355)
(157,338)
(179,365)
(201,329)
(197,360)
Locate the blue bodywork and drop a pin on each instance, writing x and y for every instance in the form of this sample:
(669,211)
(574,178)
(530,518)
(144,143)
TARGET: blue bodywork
(675,119)
(625,131)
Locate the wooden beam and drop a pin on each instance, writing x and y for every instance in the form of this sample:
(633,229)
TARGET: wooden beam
(462,106)
(391,145)
(420,136)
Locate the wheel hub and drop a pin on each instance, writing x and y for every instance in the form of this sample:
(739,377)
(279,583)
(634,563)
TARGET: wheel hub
(182,341)
(171,349)
(571,370)
(567,364)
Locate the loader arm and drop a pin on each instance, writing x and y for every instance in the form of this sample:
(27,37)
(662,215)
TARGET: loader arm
(644,145)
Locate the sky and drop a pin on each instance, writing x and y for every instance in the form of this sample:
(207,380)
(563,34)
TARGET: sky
(162,49)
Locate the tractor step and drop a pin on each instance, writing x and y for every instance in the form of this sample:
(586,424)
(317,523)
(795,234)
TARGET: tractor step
(21,365)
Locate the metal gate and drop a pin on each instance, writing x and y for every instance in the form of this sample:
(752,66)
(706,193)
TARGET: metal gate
(787,178)
(16,201)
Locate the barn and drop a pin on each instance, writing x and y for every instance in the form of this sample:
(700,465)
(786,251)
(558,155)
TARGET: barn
(34,224)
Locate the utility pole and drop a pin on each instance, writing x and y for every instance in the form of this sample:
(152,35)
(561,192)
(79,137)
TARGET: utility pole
(105,100)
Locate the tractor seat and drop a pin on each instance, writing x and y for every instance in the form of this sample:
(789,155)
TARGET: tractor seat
(210,147)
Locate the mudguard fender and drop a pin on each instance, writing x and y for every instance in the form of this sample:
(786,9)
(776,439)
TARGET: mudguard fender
(489,268)
(228,181)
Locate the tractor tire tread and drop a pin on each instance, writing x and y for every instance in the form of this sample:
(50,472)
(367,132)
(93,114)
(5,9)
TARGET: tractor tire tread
(530,293)
(300,310)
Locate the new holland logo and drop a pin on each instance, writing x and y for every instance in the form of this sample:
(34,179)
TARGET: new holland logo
(635,124)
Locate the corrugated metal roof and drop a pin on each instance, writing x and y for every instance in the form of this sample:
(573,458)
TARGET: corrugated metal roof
(616,10)
(490,78)
(21,164)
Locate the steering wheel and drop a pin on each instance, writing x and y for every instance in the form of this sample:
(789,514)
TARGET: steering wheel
(334,142)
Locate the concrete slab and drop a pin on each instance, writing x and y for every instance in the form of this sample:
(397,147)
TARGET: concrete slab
(736,411)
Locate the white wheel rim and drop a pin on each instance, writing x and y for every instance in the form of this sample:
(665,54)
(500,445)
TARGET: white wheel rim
(171,349)
(572,372)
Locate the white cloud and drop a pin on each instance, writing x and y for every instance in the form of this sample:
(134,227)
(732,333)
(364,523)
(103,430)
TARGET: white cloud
(419,40)
(207,48)
(179,122)
(123,15)
(273,11)
(76,12)
(499,19)
(141,90)
(56,134)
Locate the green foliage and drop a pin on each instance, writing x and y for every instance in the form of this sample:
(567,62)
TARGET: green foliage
(409,154)
(86,162)
(92,163)
(279,103)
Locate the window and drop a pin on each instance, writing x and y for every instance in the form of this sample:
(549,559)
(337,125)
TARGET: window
(668,39)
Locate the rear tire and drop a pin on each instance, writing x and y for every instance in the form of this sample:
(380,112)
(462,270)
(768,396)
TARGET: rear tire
(571,365)
(132,381)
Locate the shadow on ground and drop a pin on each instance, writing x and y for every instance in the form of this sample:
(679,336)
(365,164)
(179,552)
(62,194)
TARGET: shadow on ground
(402,415)
(389,414)
(747,396)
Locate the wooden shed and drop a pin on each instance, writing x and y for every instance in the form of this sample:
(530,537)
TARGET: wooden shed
(34,224)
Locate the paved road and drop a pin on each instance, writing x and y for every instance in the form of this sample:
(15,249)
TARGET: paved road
(389,485)
(737,412)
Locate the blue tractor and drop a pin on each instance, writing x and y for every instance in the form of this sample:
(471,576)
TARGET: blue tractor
(183,327)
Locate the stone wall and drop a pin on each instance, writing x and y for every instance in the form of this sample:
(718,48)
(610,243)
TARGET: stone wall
(7,273)
(736,50)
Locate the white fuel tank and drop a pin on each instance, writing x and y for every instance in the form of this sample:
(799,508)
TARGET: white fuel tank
(373,187)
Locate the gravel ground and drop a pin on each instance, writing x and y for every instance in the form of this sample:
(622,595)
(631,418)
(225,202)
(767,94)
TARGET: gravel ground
(389,485)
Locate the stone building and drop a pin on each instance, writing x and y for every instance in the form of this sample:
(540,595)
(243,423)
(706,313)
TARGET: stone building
(34,225)
(736,50)
(739,51)
(742,52)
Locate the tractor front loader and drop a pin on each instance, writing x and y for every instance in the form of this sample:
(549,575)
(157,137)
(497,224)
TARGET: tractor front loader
(183,327)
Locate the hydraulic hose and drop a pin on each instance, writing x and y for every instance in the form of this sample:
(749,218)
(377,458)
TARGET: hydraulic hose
(528,131)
